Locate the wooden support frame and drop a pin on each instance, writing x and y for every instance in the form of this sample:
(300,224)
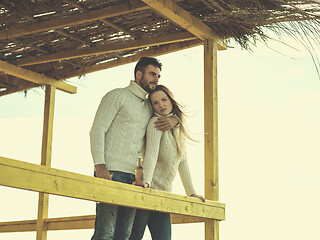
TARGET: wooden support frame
(46,180)
(211,132)
(46,152)
(34,77)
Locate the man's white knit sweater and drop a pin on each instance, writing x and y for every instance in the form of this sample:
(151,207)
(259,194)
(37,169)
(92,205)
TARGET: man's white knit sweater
(118,130)
(161,161)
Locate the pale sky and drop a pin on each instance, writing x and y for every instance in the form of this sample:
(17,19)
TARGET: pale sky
(269,141)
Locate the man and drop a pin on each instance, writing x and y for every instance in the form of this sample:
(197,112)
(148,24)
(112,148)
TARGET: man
(117,137)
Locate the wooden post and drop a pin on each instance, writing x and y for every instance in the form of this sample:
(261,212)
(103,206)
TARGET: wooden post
(46,151)
(211,133)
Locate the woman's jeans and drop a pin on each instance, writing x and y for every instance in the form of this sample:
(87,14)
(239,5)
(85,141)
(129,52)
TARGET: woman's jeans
(114,222)
(158,223)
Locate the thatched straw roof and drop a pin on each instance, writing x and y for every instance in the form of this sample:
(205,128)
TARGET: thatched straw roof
(60,39)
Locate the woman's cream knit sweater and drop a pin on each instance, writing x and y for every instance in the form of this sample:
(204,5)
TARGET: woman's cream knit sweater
(161,161)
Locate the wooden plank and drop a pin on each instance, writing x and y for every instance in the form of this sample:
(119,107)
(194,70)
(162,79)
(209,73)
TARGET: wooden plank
(48,126)
(43,209)
(211,121)
(33,177)
(16,85)
(34,77)
(180,219)
(16,89)
(107,48)
(75,222)
(46,152)
(211,132)
(108,12)
(71,223)
(169,9)
(18,226)
(152,52)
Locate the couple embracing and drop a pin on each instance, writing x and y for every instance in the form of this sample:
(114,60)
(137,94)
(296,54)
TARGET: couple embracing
(124,117)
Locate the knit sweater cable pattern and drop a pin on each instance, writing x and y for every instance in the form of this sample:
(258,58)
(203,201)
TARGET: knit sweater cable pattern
(119,126)
(161,161)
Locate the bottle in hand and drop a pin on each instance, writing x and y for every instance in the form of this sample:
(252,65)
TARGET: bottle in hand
(139,171)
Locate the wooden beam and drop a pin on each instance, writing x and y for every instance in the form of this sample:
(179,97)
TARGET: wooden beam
(211,132)
(46,152)
(170,10)
(76,222)
(34,77)
(25,29)
(18,226)
(14,84)
(152,52)
(211,120)
(106,48)
(70,223)
(47,133)
(38,178)
(19,88)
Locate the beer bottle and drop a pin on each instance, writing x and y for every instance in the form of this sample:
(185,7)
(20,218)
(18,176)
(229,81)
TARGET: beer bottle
(139,171)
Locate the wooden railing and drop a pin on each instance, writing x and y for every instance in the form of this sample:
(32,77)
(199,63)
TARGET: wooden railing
(43,179)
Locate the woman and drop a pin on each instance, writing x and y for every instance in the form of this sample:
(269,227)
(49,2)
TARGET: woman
(164,156)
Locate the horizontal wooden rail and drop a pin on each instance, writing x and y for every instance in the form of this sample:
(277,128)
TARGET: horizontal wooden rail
(72,223)
(44,179)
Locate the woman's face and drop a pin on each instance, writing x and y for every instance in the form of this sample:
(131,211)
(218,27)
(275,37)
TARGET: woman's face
(161,103)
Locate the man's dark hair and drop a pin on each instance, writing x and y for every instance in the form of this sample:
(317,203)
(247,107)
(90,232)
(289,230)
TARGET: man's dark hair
(144,62)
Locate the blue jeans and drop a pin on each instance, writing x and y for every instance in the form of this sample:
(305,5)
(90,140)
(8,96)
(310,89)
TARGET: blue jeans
(159,225)
(114,222)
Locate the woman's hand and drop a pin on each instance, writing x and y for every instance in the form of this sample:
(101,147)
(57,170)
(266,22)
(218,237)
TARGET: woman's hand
(198,196)
(145,184)
(166,123)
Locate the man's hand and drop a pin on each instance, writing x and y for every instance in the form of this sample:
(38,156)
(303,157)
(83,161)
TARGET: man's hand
(102,172)
(165,123)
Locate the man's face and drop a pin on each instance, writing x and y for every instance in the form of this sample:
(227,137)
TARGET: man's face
(149,79)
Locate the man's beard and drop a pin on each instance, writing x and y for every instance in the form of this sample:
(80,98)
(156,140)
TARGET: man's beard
(146,85)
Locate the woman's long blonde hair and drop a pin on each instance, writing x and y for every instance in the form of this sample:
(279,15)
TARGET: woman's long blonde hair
(179,133)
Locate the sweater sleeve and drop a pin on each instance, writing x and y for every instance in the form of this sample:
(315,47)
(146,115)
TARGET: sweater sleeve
(152,150)
(185,176)
(109,106)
